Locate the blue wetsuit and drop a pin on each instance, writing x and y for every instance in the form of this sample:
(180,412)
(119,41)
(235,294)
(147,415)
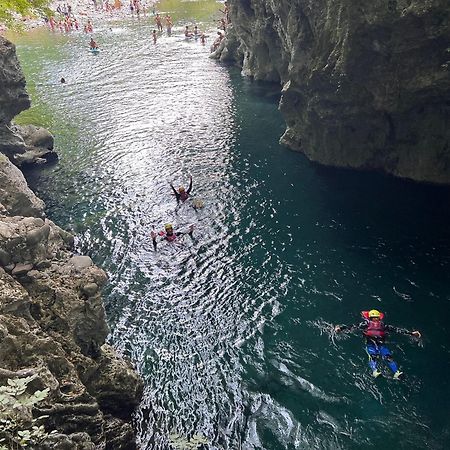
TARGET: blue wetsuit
(375,350)
(375,346)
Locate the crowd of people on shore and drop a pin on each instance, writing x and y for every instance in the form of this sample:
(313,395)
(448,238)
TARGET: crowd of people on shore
(66,18)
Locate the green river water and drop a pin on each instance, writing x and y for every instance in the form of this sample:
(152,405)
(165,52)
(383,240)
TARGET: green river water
(232,331)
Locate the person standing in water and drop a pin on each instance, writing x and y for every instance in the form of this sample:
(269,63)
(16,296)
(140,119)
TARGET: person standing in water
(155,36)
(182,194)
(158,22)
(93,45)
(375,332)
(169,25)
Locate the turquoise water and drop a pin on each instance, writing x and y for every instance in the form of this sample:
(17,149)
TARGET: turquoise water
(232,330)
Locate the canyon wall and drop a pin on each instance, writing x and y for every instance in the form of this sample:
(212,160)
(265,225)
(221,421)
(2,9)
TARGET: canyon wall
(365,84)
(52,320)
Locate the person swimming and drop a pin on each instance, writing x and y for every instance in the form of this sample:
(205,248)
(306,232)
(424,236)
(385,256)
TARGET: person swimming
(182,194)
(169,235)
(375,332)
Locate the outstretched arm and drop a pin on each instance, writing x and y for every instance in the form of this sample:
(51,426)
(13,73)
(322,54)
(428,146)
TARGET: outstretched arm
(349,328)
(177,195)
(415,333)
(340,328)
(153,235)
(190,185)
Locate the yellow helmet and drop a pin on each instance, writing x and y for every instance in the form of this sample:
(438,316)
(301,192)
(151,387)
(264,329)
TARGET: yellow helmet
(374,313)
(168,226)
(181,189)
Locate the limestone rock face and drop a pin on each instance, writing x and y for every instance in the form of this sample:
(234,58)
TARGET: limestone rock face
(22,144)
(15,196)
(13,97)
(52,319)
(52,322)
(366,84)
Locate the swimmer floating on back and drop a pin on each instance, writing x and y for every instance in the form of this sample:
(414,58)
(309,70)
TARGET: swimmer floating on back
(375,331)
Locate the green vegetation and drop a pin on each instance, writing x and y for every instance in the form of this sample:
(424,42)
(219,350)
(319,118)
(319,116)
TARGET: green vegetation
(197,11)
(18,428)
(10,9)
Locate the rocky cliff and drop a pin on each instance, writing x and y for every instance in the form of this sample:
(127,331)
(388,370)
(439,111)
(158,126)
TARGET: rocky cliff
(52,320)
(22,144)
(365,84)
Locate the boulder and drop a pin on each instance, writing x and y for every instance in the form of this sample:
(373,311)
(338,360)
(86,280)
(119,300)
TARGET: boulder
(15,196)
(21,269)
(81,262)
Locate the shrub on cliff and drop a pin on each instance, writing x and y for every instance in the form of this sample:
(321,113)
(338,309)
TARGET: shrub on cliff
(18,428)
(10,9)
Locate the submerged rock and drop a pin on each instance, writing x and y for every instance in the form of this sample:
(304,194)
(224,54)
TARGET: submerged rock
(366,84)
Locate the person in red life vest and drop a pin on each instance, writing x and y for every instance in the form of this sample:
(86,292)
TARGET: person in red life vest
(169,235)
(375,332)
(182,194)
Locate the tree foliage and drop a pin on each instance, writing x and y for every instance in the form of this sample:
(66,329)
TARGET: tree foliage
(11,9)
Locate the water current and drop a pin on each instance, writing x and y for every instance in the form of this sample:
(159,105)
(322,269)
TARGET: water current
(232,330)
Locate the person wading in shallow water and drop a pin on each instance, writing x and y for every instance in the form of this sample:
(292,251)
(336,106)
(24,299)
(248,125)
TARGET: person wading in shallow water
(93,45)
(375,332)
(169,235)
(182,194)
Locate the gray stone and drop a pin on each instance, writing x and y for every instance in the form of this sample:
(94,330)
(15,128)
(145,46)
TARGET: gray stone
(13,96)
(81,262)
(5,257)
(34,274)
(90,289)
(21,269)
(66,237)
(9,268)
(45,264)
(38,235)
(35,136)
(15,195)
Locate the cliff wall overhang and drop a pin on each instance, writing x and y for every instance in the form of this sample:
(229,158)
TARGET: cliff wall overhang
(365,84)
